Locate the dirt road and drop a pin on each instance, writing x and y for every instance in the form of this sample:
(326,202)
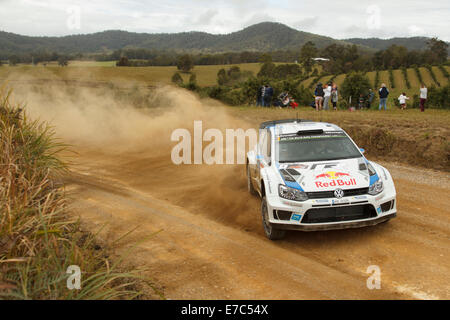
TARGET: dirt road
(211,244)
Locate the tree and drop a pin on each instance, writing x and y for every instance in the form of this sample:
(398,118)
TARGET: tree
(265,58)
(176,78)
(355,84)
(267,70)
(123,62)
(185,63)
(437,51)
(222,77)
(307,53)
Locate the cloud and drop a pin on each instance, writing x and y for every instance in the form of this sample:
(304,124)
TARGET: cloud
(306,23)
(415,31)
(339,19)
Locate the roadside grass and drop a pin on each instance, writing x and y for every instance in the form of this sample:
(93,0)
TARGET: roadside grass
(38,238)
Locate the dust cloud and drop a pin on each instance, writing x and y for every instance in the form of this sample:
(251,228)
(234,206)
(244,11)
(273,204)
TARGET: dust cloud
(133,144)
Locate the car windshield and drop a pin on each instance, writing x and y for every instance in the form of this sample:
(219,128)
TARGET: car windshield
(317,147)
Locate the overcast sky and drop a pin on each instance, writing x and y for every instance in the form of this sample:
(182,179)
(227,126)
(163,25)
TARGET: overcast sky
(337,19)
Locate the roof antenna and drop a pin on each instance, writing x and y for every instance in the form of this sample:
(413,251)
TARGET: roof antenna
(297,116)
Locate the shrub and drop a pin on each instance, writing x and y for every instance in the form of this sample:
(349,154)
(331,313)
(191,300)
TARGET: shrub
(177,79)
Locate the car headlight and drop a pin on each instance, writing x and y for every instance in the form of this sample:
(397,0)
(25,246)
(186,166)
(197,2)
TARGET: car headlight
(376,188)
(291,193)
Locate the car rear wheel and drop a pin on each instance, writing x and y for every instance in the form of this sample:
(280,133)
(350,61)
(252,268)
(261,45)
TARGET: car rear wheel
(269,230)
(250,187)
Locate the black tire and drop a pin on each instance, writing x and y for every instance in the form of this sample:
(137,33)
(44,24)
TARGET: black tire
(269,230)
(250,187)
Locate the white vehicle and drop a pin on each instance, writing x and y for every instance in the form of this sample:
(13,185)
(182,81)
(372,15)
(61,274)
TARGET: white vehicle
(312,176)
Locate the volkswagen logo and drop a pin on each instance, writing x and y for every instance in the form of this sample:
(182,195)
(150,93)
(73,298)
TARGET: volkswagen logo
(338,193)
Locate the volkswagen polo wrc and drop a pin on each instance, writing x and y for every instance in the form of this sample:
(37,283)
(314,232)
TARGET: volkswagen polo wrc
(312,176)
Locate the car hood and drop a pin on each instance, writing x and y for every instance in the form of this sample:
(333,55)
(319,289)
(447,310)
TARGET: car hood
(326,175)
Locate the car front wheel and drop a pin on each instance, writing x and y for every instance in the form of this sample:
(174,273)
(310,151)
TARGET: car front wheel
(269,230)
(250,187)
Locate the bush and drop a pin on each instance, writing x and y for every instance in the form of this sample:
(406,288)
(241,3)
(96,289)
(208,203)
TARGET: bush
(177,79)
(354,85)
(439,97)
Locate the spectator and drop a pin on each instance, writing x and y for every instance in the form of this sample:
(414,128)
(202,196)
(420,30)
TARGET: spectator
(318,93)
(268,96)
(423,97)
(370,97)
(263,95)
(334,96)
(383,93)
(361,102)
(259,96)
(327,96)
(402,99)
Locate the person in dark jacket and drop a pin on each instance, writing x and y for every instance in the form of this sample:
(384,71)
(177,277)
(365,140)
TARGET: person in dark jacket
(370,97)
(319,94)
(383,93)
(268,96)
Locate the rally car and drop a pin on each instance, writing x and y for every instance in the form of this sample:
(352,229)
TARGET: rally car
(312,176)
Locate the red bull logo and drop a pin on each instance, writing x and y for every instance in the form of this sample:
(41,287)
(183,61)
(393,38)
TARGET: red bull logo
(337,179)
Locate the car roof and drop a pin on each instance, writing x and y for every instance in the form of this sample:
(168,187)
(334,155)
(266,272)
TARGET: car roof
(291,126)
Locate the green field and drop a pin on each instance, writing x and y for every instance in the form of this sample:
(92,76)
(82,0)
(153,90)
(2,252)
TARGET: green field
(91,71)
(206,75)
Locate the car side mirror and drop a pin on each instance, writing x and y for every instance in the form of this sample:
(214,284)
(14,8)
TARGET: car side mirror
(362,150)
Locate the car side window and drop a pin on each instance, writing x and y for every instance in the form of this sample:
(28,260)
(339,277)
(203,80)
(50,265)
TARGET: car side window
(269,144)
(262,142)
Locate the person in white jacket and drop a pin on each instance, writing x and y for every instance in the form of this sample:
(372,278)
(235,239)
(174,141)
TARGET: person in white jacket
(327,96)
(402,99)
(423,97)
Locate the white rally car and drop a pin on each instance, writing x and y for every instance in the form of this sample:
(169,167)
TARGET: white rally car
(312,176)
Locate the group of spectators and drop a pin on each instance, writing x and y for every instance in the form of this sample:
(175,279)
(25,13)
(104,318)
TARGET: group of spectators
(324,94)
(383,93)
(264,96)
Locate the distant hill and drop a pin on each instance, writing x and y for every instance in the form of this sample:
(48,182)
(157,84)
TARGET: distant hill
(266,36)
(413,43)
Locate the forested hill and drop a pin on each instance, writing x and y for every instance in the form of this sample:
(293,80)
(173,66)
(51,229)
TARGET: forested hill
(413,43)
(266,36)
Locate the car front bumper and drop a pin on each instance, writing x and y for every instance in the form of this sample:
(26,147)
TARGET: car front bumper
(336,225)
(299,210)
